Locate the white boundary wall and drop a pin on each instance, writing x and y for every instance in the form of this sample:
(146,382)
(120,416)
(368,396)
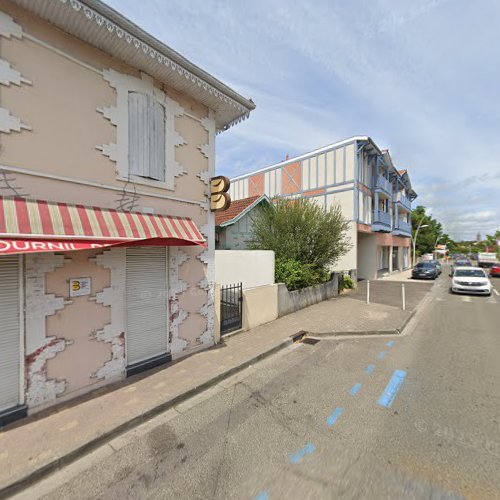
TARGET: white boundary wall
(251,267)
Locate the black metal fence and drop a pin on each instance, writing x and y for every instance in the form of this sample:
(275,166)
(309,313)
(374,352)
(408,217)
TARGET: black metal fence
(231,308)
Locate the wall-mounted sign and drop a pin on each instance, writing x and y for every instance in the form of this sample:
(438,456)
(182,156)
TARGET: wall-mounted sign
(219,198)
(79,287)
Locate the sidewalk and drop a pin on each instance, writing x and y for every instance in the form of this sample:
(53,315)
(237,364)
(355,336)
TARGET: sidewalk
(41,444)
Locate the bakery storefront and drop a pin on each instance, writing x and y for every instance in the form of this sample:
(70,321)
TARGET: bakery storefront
(84,298)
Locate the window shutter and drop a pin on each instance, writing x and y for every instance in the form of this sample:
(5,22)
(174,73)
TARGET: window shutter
(146,136)
(9,332)
(157,142)
(138,127)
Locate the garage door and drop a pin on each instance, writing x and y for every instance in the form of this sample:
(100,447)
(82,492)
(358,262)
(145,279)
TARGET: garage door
(147,331)
(10,343)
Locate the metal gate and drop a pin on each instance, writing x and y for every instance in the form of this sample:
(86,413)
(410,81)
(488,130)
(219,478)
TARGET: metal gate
(231,308)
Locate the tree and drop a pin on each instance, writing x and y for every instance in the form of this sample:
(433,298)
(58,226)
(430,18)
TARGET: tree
(430,232)
(299,230)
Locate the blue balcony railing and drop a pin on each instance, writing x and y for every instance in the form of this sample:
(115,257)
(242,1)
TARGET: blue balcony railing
(381,221)
(380,182)
(402,227)
(403,200)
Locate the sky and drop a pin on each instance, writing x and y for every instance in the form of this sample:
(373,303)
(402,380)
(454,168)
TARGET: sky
(421,78)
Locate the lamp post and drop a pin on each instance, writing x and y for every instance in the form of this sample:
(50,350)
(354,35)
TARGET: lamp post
(415,240)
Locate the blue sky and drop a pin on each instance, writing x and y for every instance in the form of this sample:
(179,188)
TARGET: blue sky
(422,78)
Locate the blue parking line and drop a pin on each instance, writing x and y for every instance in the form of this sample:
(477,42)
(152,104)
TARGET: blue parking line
(334,416)
(308,449)
(355,389)
(381,354)
(263,495)
(390,343)
(370,369)
(390,392)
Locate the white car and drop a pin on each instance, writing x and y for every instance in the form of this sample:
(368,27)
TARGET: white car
(470,280)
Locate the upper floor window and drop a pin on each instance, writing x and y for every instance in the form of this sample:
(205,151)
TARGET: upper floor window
(146,141)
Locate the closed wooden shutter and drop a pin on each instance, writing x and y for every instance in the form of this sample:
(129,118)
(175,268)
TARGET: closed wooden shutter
(10,343)
(146,132)
(147,331)
(138,144)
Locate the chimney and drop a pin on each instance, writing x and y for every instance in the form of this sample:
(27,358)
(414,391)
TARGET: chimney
(286,159)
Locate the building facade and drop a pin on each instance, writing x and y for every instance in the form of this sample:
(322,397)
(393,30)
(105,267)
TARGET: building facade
(233,227)
(361,178)
(107,147)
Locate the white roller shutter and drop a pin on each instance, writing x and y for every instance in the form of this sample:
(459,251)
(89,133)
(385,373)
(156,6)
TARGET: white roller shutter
(147,299)
(10,343)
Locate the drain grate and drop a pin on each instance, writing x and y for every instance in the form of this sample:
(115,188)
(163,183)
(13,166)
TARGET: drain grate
(308,340)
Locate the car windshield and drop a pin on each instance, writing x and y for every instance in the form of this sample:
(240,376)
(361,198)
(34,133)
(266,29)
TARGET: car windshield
(425,265)
(462,263)
(470,273)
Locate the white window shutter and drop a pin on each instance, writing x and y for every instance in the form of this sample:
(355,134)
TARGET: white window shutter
(157,142)
(146,136)
(138,146)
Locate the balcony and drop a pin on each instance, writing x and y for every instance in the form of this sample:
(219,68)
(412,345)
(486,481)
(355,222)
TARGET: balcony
(382,184)
(402,200)
(402,228)
(381,221)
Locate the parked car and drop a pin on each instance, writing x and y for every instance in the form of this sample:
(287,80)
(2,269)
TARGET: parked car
(425,270)
(460,263)
(437,264)
(495,270)
(471,280)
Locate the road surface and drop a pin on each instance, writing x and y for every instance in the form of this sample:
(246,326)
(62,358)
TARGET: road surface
(413,416)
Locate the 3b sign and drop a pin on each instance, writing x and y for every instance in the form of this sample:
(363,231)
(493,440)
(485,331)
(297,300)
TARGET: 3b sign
(219,198)
(79,287)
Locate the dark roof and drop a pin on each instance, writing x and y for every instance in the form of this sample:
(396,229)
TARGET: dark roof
(236,208)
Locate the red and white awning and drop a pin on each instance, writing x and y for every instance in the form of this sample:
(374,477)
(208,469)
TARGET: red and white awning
(28,226)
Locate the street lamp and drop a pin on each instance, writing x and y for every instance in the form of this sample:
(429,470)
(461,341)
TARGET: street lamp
(415,240)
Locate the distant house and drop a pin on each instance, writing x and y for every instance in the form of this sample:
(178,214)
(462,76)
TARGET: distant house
(233,227)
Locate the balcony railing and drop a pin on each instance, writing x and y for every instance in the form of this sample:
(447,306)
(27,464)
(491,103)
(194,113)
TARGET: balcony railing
(380,182)
(382,218)
(403,200)
(403,227)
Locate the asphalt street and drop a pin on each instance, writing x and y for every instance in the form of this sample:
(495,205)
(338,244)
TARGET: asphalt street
(411,416)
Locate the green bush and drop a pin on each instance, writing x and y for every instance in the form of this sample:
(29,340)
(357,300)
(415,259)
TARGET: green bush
(296,275)
(347,281)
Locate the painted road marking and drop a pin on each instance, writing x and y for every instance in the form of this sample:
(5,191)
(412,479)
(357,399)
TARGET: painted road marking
(390,392)
(390,343)
(355,389)
(369,369)
(334,416)
(381,354)
(263,495)
(307,450)
(495,291)
(466,299)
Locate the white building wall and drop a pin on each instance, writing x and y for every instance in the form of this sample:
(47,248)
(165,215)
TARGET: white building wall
(250,267)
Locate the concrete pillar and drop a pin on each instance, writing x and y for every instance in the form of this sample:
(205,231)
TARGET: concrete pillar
(390,259)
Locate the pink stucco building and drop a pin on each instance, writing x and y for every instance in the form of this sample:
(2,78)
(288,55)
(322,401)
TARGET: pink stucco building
(107,146)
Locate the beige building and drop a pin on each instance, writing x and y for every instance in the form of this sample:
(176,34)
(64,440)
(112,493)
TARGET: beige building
(107,146)
(355,174)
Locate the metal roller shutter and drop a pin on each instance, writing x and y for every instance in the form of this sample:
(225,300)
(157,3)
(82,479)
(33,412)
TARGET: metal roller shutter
(147,332)
(10,343)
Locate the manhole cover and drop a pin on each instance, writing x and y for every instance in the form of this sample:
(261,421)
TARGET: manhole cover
(308,340)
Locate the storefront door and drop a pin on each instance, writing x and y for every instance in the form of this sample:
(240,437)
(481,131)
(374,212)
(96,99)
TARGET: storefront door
(10,332)
(395,253)
(147,301)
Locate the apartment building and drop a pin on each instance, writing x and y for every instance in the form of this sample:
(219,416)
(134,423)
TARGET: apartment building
(107,148)
(360,177)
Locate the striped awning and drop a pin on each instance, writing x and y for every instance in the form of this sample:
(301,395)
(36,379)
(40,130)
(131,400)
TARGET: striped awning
(28,226)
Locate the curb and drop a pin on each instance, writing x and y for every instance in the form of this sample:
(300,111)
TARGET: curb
(394,331)
(57,464)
